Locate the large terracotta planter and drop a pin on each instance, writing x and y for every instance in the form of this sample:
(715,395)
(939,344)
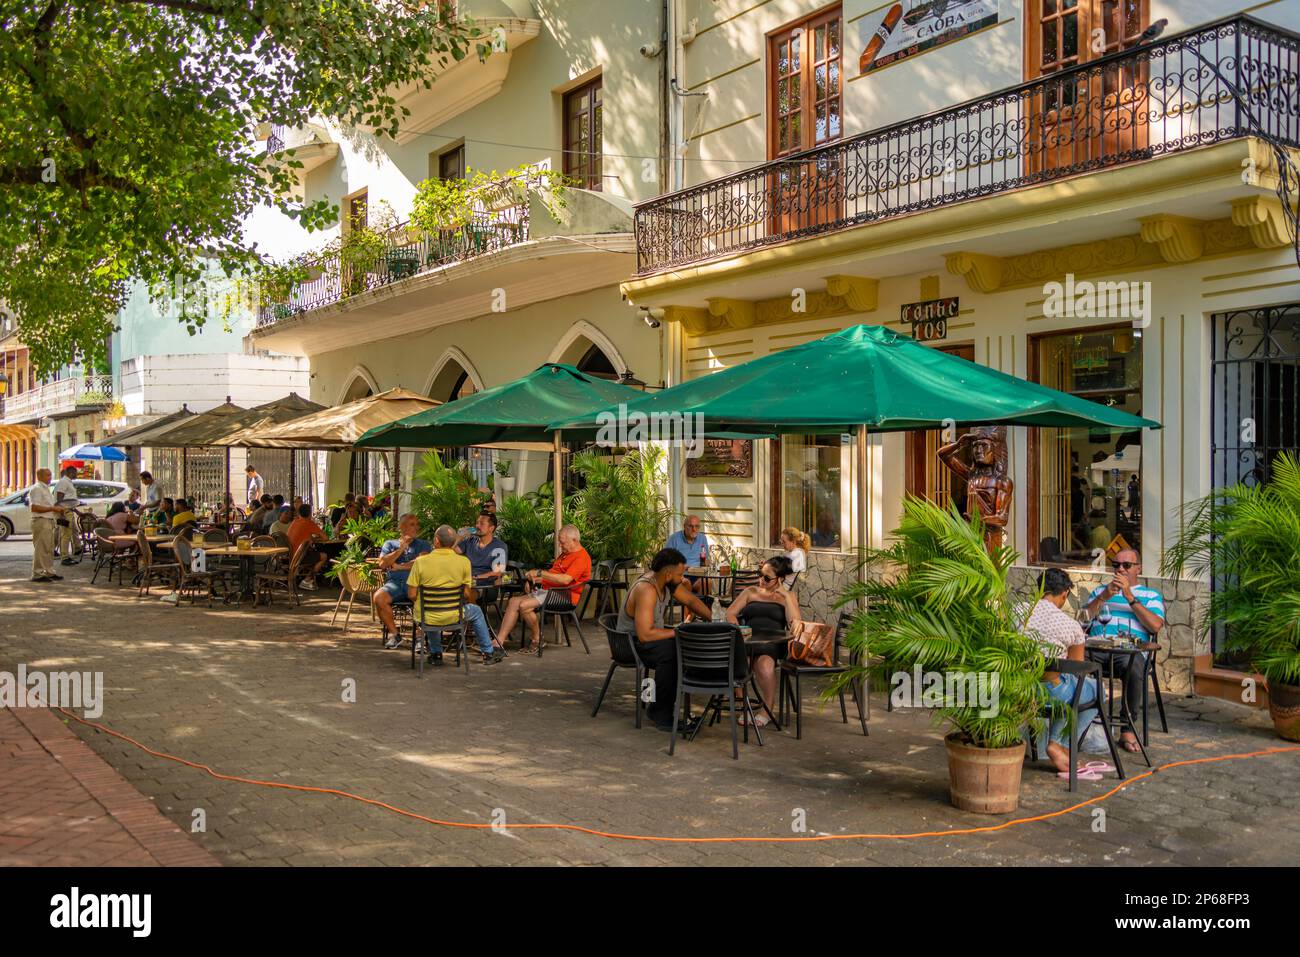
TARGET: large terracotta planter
(1284,707)
(984,780)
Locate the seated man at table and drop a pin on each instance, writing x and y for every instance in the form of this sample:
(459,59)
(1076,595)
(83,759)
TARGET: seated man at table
(301,530)
(642,615)
(184,514)
(122,521)
(560,585)
(1136,611)
(258,514)
(396,556)
(694,544)
(285,519)
(133,501)
(444,568)
(486,552)
(336,513)
(1061,637)
(163,514)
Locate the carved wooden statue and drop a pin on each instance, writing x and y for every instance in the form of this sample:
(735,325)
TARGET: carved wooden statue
(988,489)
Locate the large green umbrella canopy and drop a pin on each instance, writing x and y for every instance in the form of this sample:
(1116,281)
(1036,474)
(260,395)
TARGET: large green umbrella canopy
(863,375)
(516,413)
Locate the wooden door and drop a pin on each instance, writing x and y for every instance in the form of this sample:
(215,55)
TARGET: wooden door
(805,97)
(1093,116)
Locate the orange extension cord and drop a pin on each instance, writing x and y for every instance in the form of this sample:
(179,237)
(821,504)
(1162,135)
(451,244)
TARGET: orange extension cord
(674,840)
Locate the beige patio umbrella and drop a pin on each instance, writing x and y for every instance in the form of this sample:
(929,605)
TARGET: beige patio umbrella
(333,429)
(336,429)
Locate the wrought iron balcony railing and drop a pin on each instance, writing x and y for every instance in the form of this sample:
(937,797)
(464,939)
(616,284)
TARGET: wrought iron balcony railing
(62,397)
(335,280)
(1175,94)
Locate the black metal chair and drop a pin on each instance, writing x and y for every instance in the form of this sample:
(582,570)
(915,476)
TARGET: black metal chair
(711,660)
(739,582)
(1082,670)
(434,601)
(558,604)
(606,585)
(791,692)
(622,654)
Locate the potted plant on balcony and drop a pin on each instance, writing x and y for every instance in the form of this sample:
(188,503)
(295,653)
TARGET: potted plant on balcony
(505,481)
(942,610)
(1246,539)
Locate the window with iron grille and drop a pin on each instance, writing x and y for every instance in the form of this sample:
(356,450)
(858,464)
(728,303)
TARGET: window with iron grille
(1255,383)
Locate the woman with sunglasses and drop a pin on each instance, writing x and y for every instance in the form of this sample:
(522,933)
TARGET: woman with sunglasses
(767,607)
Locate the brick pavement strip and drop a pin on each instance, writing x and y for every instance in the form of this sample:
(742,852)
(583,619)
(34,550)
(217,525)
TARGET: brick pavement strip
(61,804)
(257,693)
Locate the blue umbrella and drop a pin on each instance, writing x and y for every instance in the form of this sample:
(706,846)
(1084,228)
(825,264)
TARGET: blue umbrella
(86,452)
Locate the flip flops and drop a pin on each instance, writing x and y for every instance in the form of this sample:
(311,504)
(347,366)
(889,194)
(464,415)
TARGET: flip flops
(1092,771)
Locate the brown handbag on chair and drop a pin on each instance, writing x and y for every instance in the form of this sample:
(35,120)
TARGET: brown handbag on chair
(813,645)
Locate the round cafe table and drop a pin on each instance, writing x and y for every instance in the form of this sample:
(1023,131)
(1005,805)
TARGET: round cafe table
(711,577)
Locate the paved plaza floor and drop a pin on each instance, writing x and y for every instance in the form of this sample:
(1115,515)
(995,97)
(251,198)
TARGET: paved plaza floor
(260,694)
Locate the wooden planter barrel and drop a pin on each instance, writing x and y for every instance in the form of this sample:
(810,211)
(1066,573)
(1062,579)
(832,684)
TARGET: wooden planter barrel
(984,780)
(1284,708)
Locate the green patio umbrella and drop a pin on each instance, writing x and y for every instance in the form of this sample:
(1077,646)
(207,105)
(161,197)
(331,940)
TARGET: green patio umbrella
(863,376)
(516,415)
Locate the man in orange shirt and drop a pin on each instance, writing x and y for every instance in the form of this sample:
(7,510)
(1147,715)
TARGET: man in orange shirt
(303,529)
(561,584)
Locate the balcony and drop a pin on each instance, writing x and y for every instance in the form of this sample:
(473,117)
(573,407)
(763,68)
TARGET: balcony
(60,399)
(403,257)
(1174,95)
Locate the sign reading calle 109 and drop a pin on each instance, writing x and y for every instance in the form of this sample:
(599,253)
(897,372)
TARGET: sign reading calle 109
(929,319)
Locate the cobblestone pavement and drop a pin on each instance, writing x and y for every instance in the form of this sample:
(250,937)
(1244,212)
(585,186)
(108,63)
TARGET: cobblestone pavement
(259,693)
(61,805)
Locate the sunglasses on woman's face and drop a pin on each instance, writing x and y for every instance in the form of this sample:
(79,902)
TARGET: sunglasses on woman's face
(767,578)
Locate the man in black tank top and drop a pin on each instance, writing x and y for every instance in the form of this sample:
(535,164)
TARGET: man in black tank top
(642,615)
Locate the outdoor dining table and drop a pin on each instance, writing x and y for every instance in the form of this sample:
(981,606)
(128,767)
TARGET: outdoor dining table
(711,576)
(131,539)
(246,558)
(1130,650)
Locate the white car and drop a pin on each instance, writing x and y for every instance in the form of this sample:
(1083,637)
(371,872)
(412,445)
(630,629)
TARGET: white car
(95,496)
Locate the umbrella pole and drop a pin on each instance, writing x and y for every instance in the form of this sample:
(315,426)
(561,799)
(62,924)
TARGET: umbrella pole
(293,474)
(397,482)
(223,501)
(557,452)
(185,470)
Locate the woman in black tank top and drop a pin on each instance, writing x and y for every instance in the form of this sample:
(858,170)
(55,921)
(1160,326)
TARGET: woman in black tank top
(767,607)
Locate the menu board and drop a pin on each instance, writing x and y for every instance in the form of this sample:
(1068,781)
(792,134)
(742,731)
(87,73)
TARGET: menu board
(723,458)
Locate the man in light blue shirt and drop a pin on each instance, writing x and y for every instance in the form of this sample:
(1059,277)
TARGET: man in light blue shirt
(694,544)
(1136,611)
(689,541)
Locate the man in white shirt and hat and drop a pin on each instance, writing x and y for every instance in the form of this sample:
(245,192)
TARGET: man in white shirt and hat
(40,500)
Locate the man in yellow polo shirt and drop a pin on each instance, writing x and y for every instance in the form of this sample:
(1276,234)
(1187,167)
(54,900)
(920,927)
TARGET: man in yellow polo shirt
(444,568)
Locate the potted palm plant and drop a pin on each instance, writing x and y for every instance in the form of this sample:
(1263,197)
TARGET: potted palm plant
(620,507)
(1247,539)
(505,481)
(942,612)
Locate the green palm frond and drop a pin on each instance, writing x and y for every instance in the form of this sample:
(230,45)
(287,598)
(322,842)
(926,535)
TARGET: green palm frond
(1246,539)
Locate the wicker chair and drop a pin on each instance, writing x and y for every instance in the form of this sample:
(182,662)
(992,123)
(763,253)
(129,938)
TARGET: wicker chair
(150,572)
(352,583)
(191,582)
(113,556)
(279,576)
